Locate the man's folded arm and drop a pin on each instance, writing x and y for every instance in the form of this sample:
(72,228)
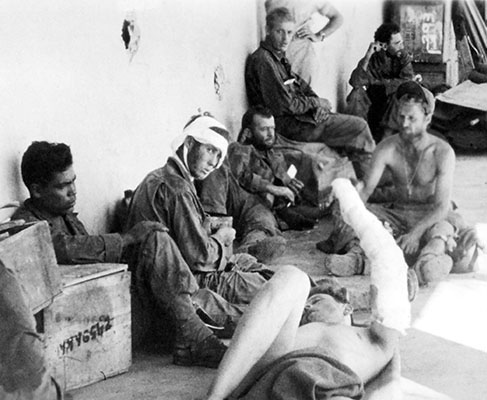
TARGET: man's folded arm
(85,249)
(279,97)
(201,250)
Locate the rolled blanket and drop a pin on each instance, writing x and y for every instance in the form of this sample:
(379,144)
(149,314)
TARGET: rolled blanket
(306,374)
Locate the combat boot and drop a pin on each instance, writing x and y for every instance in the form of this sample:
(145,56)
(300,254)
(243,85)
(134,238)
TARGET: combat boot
(206,353)
(294,220)
(432,267)
(267,249)
(343,264)
(348,264)
(195,343)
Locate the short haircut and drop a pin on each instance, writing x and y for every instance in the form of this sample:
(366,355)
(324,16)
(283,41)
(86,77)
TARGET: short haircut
(412,91)
(331,287)
(248,117)
(414,98)
(280,14)
(385,31)
(42,160)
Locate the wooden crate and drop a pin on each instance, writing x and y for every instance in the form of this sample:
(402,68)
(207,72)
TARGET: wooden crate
(28,251)
(88,328)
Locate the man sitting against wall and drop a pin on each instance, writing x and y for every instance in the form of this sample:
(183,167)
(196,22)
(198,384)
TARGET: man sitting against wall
(302,51)
(48,172)
(262,169)
(192,260)
(376,78)
(257,230)
(298,111)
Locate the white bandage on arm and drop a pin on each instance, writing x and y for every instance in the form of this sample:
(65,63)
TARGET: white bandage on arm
(388,267)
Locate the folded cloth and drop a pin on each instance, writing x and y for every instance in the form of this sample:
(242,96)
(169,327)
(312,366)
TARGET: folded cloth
(306,374)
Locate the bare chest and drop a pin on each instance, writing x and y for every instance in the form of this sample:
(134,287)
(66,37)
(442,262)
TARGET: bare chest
(415,173)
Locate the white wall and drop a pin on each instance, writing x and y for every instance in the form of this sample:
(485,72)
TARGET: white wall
(341,52)
(65,76)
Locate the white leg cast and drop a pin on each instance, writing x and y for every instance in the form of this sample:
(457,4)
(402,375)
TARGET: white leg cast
(388,267)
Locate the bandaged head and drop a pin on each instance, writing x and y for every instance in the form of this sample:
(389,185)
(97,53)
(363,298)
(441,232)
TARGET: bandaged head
(206,130)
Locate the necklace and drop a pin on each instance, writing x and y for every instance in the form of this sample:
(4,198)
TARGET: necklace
(409,179)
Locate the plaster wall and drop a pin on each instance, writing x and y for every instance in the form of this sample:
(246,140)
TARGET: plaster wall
(341,52)
(65,76)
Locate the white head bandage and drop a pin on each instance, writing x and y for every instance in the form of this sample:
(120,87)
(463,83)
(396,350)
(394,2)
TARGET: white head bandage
(200,130)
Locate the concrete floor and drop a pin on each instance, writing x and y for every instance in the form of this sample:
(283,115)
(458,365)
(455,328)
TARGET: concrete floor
(444,355)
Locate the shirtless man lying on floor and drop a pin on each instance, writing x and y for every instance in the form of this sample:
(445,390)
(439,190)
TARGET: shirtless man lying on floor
(271,356)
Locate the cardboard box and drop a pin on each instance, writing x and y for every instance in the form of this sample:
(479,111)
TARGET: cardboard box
(28,251)
(88,328)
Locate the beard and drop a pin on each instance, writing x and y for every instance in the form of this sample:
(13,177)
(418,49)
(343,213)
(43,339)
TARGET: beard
(264,145)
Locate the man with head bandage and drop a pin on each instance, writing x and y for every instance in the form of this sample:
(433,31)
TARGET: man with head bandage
(206,131)
(189,268)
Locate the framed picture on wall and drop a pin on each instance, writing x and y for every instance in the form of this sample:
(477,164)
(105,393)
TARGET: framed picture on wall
(422,27)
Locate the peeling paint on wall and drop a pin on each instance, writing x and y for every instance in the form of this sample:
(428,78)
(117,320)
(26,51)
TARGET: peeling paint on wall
(131,34)
(219,81)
